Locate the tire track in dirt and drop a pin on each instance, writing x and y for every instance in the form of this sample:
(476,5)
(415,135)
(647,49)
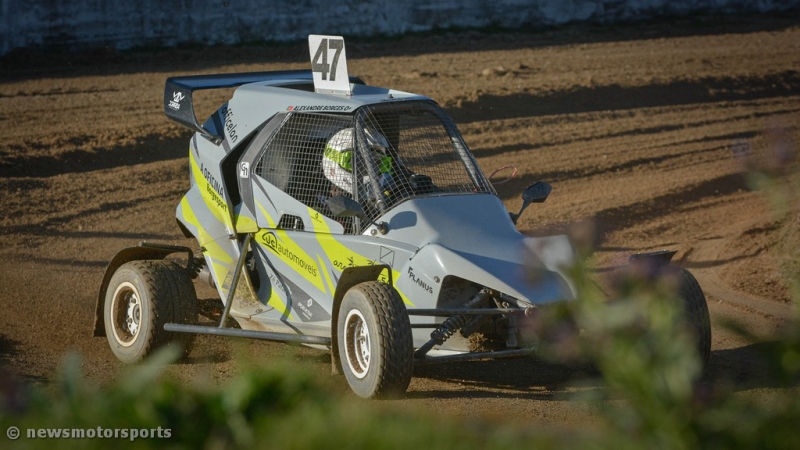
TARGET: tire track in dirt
(618,98)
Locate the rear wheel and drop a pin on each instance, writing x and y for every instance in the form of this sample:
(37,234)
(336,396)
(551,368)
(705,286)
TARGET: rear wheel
(374,338)
(141,297)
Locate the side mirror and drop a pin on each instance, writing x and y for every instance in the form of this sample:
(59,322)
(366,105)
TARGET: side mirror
(535,193)
(342,206)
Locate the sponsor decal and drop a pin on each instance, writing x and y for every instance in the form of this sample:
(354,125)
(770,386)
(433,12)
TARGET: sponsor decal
(177,97)
(319,108)
(226,284)
(244,170)
(419,282)
(310,311)
(271,241)
(305,309)
(278,285)
(387,256)
(214,189)
(230,126)
(341,265)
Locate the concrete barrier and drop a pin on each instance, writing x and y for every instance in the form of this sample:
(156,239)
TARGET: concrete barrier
(127,24)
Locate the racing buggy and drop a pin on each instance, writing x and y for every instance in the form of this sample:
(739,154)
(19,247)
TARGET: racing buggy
(341,216)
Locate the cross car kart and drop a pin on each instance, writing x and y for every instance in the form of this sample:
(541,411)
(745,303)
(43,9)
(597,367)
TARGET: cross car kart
(345,217)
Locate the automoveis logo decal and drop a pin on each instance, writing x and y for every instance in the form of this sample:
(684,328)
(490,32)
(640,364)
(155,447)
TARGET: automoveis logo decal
(175,103)
(271,241)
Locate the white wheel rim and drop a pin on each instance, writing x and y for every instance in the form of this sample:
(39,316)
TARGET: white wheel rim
(357,343)
(126,314)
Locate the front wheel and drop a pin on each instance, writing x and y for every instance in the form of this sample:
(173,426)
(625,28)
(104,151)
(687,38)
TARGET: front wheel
(375,343)
(696,314)
(141,297)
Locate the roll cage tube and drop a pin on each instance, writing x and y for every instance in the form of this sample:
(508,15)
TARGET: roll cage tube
(462,150)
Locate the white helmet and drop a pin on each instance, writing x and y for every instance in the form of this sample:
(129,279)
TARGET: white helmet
(337,161)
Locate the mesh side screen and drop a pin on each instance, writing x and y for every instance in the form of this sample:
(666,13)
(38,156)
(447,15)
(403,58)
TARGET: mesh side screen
(292,160)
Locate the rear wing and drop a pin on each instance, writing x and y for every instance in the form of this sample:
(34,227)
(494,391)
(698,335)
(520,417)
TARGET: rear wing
(179,107)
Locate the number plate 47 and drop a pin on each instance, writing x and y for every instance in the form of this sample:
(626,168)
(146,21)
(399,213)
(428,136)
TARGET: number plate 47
(328,64)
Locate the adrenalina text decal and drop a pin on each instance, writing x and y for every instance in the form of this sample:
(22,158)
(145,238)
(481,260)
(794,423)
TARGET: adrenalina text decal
(214,188)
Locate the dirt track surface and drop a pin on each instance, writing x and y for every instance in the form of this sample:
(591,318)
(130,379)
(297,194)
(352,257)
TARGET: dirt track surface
(633,127)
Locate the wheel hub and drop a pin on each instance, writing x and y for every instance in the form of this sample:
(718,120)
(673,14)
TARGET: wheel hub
(357,343)
(126,310)
(133,318)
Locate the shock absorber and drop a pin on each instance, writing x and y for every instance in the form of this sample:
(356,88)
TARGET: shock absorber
(450,326)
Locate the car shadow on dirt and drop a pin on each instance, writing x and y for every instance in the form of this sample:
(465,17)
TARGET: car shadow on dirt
(752,366)
(10,379)
(8,349)
(517,378)
(744,368)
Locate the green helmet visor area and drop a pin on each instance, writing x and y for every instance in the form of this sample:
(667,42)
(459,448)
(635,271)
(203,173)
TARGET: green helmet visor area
(344,159)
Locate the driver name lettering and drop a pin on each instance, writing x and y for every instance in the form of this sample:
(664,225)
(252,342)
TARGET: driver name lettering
(272,242)
(319,108)
(419,281)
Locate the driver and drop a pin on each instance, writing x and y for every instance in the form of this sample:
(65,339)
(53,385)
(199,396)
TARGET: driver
(337,161)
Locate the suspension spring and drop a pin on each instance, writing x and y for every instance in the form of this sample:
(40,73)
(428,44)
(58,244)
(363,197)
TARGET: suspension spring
(450,326)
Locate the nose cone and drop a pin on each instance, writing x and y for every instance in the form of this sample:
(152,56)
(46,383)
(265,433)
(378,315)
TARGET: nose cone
(536,285)
(472,237)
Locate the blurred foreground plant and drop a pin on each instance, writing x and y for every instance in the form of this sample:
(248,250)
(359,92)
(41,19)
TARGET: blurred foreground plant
(639,342)
(276,407)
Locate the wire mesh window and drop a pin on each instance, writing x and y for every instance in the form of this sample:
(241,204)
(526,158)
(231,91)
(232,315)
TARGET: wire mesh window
(292,160)
(380,156)
(428,155)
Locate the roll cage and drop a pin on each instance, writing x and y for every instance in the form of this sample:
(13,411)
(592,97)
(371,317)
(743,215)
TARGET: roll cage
(428,156)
